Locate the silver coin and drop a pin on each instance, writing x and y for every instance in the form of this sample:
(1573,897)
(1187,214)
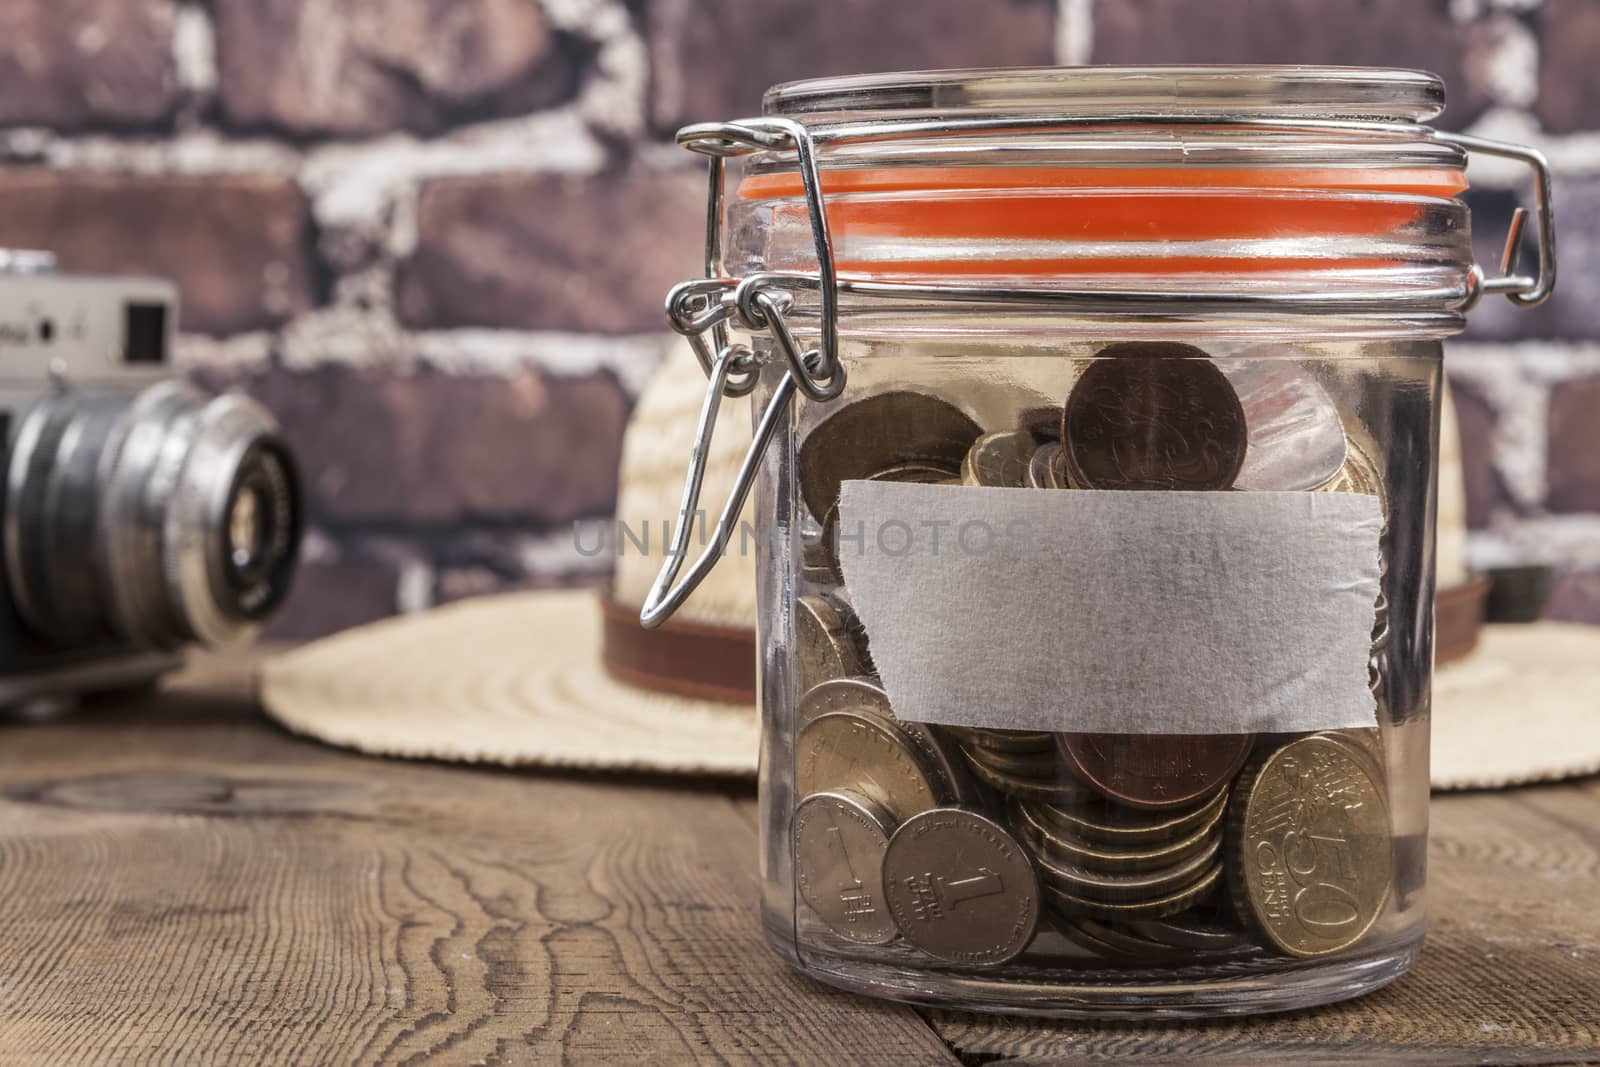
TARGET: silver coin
(1121,887)
(1014,741)
(825,644)
(1081,852)
(1296,437)
(961,888)
(839,843)
(1180,900)
(1044,469)
(900,429)
(1000,459)
(866,696)
(865,754)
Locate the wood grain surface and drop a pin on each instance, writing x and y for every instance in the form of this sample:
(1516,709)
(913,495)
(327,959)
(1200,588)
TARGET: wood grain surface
(181,881)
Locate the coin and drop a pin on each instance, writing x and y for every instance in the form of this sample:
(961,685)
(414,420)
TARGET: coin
(1195,934)
(1297,440)
(1160,907)
(839,843)
(1044,467)
(1314,863)
(1153,415)
(1124,887)
(1123,827)
(1043,422)
(877,433)
(960,888)
(1144,857)
(1121,942)
(1156,771)
(866,696)
(1000,459)
(824,643)
(1004,740)
(864,754)
(1040,764)
(1056,788)
(821,563)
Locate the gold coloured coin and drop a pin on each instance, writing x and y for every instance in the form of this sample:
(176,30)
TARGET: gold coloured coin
(1160,907)
(1146,857)
(1314,863)
(1125,887)
(1122,827)
(865,754)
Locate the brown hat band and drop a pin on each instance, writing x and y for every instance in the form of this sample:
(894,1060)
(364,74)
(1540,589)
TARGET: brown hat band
(704,661)
(699,660)
(1457,619)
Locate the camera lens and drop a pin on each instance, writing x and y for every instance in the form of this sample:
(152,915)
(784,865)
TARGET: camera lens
(62,448)
(160,520)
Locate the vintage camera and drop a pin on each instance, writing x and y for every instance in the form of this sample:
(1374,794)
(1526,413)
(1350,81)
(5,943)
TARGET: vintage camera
(139,515)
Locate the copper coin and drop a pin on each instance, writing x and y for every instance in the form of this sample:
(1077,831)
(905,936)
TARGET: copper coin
(1153,415)
(1156,771)
(900,429)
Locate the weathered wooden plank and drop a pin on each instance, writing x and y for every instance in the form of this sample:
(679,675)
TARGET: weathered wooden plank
(180,880)
(1510,973)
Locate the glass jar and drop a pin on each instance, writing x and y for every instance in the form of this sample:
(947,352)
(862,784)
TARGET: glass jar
(1095,472)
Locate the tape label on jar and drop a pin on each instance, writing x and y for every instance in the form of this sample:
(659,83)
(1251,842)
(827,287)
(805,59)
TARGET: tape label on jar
(1116,612)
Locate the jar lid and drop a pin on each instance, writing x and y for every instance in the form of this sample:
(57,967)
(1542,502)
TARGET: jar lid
(1315,177)
(1372,93)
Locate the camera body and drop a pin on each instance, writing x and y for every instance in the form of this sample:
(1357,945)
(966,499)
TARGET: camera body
(137,515)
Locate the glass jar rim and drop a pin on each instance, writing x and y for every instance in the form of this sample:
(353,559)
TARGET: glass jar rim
(1385,94)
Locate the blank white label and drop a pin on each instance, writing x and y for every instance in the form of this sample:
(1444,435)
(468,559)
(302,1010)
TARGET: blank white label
(1119,612)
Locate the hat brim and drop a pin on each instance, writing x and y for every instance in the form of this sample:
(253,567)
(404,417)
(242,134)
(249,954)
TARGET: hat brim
(1524,706)
(516,680)
(511,680)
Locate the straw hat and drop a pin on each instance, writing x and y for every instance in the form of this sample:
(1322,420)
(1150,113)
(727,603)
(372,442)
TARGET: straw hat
(567,679)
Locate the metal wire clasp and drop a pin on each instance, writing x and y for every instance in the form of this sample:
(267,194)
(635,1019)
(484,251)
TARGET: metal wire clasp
(758,302)
(1519,288)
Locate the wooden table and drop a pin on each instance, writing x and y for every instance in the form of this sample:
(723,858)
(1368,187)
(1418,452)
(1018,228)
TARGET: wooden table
(179,879)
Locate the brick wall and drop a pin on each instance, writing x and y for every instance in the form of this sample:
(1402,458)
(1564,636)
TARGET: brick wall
(433,235)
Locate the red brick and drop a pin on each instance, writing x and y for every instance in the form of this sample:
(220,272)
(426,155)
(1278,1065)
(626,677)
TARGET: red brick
(239,247)
(1571,311)
(553,252)
(342,583)
(712,59)
(1569,77)
(425,449)
(86,63)
(1574,476)
(1366,33)
(364,67)
(1575,597)
(1486,492)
